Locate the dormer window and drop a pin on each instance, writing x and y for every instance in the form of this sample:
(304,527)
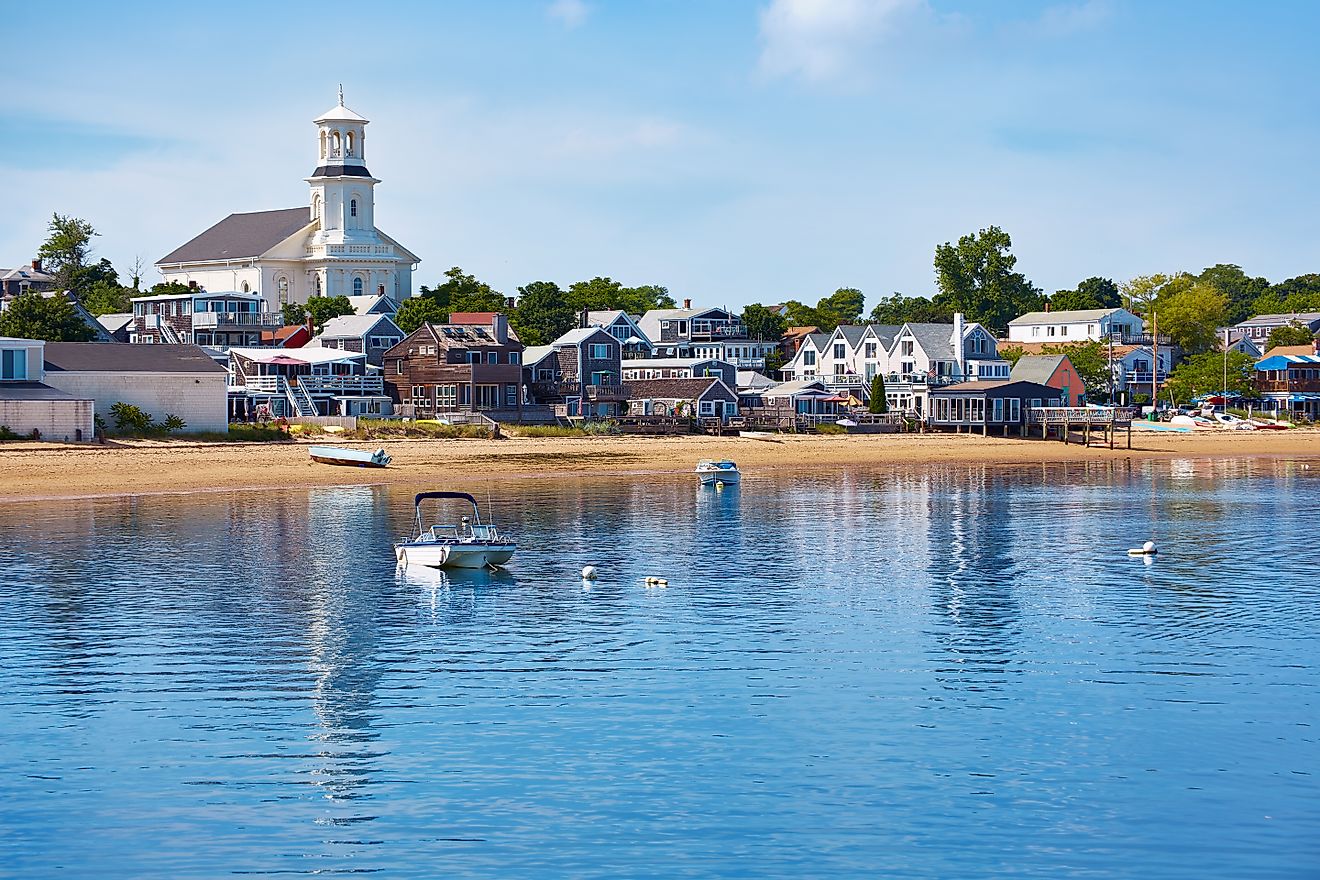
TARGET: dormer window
(13,364)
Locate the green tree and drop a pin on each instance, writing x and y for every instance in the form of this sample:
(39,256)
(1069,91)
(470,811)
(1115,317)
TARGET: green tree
(170,288)
(543,314)
(1093,293)
(597,295)
(52,318)
(67,246)
(104,298)
(418,310)
(1204,374)
(1300,294)
(293,313)
(640,300)
(1290,334)
(461,292)
(900,309)
(762,323)
(878,403)
(844,306)
(976,277)
(1191,312)
(799,314)
(1011,353)
(1240,290)
(321,309)
(1140,292)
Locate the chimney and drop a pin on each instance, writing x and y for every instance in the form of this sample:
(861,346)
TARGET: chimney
(36,265)
(1047,307)
(582,319)
(499,327)
(192,285)
(958,343)
(687,303)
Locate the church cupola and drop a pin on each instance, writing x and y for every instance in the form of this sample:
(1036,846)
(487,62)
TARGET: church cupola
(343,197)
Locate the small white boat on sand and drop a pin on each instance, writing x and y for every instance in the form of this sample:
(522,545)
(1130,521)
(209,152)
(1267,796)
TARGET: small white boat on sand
(721,472)
(470,544)
(349,457)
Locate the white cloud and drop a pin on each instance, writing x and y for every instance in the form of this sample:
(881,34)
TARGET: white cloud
(1066,19)
(830,40)
(569,13)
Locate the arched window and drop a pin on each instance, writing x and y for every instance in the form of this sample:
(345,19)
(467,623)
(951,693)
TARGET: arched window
(283,285)
(316,207)
(352,208)
(246,287)
(334,145)
(380,289)
(317,284)
(323,143)
(350,143)
(357,286)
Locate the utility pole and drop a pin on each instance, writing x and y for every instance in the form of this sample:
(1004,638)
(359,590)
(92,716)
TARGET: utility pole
(1225,369)
(1154,361)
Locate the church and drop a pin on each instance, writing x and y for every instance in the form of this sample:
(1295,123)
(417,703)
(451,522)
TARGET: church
(328,248)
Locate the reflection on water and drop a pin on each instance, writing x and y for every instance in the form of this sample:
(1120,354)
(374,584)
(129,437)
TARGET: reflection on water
(934,672)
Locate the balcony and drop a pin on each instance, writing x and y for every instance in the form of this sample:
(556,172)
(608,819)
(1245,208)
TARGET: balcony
(1145,378)
(335,386)
(352,251)
(605,392)
(704,332)
(1284,385)
(1137,339)
(245,320)
(551,389)
(841,380)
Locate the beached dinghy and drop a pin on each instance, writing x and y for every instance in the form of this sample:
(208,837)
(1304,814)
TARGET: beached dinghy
(722,472)
(470,544)
(349,457)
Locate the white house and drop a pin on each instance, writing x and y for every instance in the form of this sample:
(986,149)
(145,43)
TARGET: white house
(162,380)
(330,247)
(32,408)
(1076,326)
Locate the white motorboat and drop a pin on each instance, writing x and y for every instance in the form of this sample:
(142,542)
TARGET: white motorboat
(722,472)
(470,544)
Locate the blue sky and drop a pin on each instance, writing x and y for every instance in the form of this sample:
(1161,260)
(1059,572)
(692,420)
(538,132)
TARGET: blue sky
(737,151)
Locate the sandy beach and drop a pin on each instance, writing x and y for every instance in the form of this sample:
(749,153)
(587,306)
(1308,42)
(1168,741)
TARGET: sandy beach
(31,471)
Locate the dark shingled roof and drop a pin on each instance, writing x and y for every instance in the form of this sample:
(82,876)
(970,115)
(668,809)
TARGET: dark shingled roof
(117,357)
(34,391)
(241,235)
(676,389)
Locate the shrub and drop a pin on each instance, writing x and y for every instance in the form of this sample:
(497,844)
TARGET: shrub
(600,427)
(173,424)
(130,419)
(831,429)
(546,431)
(7,434)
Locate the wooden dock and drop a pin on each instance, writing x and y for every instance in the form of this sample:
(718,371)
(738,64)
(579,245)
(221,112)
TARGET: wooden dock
(1065,421)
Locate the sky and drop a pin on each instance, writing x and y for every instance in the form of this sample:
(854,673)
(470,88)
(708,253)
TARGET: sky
(735,151)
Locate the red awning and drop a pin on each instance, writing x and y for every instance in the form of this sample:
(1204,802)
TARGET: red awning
(285,360)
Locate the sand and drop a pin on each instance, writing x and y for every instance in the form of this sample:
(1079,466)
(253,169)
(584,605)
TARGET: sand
(36,471)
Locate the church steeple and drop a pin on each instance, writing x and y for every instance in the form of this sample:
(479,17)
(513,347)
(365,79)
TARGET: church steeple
(342,187)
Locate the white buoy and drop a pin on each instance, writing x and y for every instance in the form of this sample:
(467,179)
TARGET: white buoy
(588,572)
(1146,549)
(656,582)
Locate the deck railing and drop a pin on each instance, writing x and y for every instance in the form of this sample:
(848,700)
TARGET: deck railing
(1079,415)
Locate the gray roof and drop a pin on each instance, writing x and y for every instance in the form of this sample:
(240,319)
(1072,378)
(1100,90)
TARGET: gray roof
(753,379)
(118,357)
(936,340)
(818,340)
(679,389)
(1036,367)
(33,391)
(800,386)
(852,333)
(534,354)
(356,326)
(650,322)
(115,321)
(578,335)
(1300,317)
(241,235)
(1064,317)
(886,332)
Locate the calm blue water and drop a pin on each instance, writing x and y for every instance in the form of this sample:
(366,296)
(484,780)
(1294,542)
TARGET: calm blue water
(925,673)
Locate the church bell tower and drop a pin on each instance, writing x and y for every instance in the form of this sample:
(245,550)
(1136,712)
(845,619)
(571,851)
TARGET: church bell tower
(343,196)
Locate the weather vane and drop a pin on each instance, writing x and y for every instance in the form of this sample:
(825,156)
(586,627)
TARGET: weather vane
(341,94)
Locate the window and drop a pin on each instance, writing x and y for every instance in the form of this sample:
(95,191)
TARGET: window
(600,352)
(997,410)
(978,409)
(1035,403)
(357,286)
(905,348)
(514,357)
(840,351)
(352,207)
(1014,410)
(419,394)
(1035,331)
(600,378)
(246,287)
(808,357)
(446,396)
(708,407)
(317,284)
(492,357)
(398,367)
(283,285)
(350,143)
(383,341)
(474,357)
(13,363)
(1049,331)
(839,368)
(511,395)
(870,350)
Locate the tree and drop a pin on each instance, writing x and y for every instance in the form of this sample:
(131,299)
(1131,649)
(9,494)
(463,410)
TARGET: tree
(1290,334)
(461,292)
(85,278)
(543,314)
(1300,294)
(52,318)
(844,306)
(879,403)
(1191,314)
(1140,292)
(1240,290)
(640,300)
(170,288)
(66,248)
(976,277)
(900,309)
(104,298)
(321,309)
(1011,353)
(1093,293)
(293,313)
(418,310)
(800,314)
(1204,374)
(605,294)
(763,324)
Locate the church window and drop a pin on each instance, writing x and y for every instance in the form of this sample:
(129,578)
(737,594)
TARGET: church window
(380,289)
(350,143)
(323,143)
(317,284)
(246,287)
(283,285)
(357,286)
(352,208)
(316,207)
(334,145)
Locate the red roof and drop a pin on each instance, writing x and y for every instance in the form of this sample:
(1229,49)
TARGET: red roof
(472,317)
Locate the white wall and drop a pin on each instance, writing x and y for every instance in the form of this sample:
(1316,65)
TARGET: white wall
(55,419)
(197,398)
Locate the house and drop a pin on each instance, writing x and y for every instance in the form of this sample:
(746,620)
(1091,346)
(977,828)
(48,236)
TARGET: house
(793,339)
(217,320)
(806,362)
(308,381)
(623,327)
(925,356)
(1290,383)
(579,373)
(329,247)
(1078,325)
(288,336)
(987,406)
(852,356)
(802,397)
(372,334)
(1054,370)
(1260,327)
(25,279)
(705,398)
(464,365)
(709,333)
(118,325)
(374,304)
(32,408)
(99,333)
(680,368)
(1244,344)
(1130,364)
(161,380)
(751,385)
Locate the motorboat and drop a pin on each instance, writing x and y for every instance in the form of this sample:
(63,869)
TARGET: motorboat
(349,457)
(712,473)
(469,544)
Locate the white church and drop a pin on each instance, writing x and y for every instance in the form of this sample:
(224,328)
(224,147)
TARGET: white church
(330,248)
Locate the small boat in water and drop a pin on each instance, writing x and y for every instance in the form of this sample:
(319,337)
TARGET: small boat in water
(349,457)
(470,544)
(722,472)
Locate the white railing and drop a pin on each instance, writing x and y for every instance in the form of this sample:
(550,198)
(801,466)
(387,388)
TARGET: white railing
(210,320)
(351,385)
(350,250)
